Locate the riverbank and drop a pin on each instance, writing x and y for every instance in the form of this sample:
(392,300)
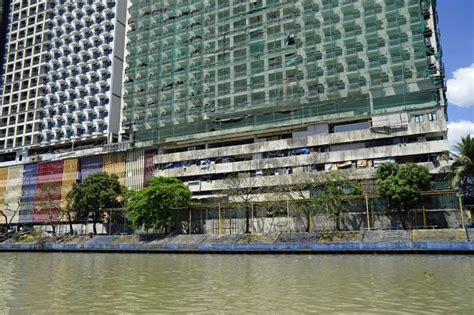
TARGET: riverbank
(453,241)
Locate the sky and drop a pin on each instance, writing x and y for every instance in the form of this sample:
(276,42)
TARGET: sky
(456,25)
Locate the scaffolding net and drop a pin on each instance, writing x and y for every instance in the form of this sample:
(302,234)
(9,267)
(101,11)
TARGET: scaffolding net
(198,67)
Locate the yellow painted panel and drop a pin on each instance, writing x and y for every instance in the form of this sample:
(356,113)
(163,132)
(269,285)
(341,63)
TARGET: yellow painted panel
(3,184)
(14,191)
(69,178)
(115,164)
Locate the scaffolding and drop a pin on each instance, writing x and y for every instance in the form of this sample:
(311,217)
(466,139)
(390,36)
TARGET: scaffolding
(202,66)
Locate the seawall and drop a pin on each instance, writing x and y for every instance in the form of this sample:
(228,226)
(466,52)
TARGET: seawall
(455,241)
(299,248)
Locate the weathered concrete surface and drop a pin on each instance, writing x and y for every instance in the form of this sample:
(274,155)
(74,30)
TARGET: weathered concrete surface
(470,234)
(341,237)
(441,241)
(386,236)
(298,237)
(278,248)
(446,235)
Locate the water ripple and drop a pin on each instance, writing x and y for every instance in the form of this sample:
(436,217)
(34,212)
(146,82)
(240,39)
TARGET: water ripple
(115,283)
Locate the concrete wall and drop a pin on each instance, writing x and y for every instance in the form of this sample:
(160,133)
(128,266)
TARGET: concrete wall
(309,159)
(349,222)
(310,141)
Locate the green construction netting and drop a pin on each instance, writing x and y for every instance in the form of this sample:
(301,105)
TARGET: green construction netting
(203,66)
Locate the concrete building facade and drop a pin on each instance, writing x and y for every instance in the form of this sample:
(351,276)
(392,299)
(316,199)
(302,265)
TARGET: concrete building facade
(269,90)
(4,9)
(273,87)
(63,74)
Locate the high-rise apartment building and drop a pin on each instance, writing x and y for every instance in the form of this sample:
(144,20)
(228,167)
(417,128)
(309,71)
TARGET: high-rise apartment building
(4,9)
(268,87)
(63,73)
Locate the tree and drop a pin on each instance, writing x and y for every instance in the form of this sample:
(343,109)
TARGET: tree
(330,192)
(324,191)
(244,190)
(297,190)
(48,203)
(68,210)
(98,192)
(401,186)
(153,207)
(462,170)
(12,213)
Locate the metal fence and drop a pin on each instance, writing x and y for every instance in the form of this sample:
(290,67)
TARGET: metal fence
(438,209)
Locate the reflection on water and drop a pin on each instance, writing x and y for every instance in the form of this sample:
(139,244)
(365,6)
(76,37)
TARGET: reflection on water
(129,283)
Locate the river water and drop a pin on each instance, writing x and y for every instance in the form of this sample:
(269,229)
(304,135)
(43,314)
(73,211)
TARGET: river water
(132,283)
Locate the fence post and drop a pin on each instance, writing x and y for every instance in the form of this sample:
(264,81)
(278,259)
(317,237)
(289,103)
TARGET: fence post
(219,223)
(367,211)
(310,225)
(460,208)
(189,226)
(288,214)
(424,217)
(252,217)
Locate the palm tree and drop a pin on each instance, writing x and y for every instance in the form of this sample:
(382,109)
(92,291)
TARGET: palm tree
(462,169)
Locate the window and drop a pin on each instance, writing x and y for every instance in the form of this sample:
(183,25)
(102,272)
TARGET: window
(418,118)
(432,116)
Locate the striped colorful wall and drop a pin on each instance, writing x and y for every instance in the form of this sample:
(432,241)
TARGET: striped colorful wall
(3,186)
(135,175)
(115,164)
(14,191)
(149,165)
(48,191)
(91,165)
(69,178)
(30,175)
(45,185)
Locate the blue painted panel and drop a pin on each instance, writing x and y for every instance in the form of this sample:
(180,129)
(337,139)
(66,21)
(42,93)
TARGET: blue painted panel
(30,177)
(90,165)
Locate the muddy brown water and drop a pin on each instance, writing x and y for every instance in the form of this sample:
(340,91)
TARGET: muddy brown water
(140,283)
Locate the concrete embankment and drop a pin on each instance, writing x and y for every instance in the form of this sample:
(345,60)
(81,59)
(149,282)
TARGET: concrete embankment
(454,241)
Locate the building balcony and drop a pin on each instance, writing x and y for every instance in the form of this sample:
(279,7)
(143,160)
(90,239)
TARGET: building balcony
(98,121)
(67,115)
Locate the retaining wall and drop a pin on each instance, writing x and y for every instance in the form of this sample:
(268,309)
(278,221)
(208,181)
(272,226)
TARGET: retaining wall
(279,248)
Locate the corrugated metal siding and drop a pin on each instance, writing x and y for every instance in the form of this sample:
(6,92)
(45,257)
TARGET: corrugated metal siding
(48,190)
(91,165)
(69,178)
(135,169)
(29,189)
(14,190)
(3,186)
(149,165)
(115,164)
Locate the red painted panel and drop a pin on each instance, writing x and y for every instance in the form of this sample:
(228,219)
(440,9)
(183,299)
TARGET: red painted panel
(149,166)
(48,191)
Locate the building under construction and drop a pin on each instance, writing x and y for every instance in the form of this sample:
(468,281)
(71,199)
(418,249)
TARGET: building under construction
(263,89)
(278,87)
